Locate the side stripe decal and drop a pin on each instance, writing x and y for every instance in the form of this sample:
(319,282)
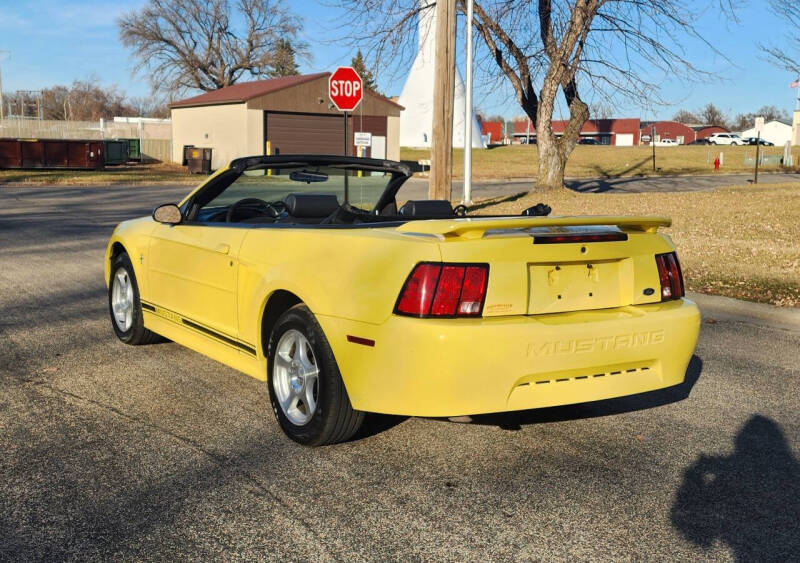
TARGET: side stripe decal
(200,328)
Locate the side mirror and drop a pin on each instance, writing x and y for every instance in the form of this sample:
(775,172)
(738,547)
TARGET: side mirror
(168,214)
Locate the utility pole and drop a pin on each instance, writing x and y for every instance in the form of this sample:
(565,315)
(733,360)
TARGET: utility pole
(653,143)
(468,114)
(758,146)
(443,91)
(2,54)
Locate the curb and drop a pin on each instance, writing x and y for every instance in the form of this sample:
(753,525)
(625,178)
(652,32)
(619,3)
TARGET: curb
(718,308)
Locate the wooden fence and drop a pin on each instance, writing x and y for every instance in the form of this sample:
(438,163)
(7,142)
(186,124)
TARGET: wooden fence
(157,149)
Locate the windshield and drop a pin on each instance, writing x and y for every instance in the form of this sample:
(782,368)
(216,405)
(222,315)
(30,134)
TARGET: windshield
(364,187)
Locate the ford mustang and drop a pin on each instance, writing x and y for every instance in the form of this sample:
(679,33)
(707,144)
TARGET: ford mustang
(324,277)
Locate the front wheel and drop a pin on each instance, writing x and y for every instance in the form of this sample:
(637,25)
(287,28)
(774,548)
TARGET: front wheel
(306,390)
(124,304)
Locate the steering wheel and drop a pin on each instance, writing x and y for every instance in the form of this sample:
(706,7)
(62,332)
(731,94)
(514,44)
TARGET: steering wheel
(460,210)
(253,204)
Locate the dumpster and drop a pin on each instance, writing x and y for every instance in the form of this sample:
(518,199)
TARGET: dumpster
(134,149)
(116,151)
(198,159)
(185,153)
(51,153)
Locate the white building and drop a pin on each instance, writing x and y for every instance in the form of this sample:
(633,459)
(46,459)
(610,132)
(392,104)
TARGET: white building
(773,131)
(416,121)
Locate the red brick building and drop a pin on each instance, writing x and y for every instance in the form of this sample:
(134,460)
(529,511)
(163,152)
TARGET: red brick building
(678,132)
(703,131)
(495,131)
(619,132)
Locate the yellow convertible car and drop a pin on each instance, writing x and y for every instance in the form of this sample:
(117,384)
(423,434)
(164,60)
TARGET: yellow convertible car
(306,273)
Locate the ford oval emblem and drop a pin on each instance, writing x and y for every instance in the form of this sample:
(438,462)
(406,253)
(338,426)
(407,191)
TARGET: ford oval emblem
(649,291)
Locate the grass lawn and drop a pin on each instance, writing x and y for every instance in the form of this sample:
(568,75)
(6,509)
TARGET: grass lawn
(586,161)
(142,174)
(513,161)
(738,241)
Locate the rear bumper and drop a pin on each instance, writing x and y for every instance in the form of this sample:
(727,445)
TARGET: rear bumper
(451,367)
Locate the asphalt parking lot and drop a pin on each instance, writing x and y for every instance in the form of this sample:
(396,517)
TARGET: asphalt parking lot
(158,453)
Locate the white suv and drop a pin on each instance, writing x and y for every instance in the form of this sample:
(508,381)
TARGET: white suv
(725,139)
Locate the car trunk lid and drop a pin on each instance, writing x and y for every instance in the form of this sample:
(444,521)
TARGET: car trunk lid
(544,265)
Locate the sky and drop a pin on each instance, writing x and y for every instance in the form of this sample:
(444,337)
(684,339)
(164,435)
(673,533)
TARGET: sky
(57,41)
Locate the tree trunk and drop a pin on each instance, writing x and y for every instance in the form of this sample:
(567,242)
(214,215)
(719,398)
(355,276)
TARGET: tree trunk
(552,160)
(551,163)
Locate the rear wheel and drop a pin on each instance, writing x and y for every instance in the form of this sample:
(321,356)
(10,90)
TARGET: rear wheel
(306,390)
(124,304)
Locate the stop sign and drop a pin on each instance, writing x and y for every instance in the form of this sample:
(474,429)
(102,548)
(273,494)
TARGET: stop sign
(345,88)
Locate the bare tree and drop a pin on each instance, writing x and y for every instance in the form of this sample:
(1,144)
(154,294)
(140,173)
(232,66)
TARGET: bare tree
(601,110)
(686,116)
(552,52)
(149,106)
(787,56)
(88,100)
(712,115)
(769,113)
(204,45)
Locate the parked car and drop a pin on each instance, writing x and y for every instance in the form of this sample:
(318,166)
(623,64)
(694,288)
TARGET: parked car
(666,143)
(304,272)
(703,141)
(757,141)
(725,139)
(588,142)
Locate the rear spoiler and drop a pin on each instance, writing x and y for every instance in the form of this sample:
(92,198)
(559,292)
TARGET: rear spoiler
(475,227)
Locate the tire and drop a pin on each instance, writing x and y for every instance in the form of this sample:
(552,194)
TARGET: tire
(129,329)
(327,417)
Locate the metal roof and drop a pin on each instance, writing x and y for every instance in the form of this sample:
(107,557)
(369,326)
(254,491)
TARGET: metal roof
(244,91)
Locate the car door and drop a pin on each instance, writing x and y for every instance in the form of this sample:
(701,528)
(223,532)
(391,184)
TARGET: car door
(192,271)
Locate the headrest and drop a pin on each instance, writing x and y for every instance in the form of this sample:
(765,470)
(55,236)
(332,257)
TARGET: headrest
(311,206)
(427,209)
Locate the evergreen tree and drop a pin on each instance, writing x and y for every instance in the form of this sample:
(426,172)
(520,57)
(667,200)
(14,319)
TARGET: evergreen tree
(367,77)
(283,60)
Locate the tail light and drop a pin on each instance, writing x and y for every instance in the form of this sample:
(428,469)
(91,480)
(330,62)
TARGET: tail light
(444,290)
(669,273)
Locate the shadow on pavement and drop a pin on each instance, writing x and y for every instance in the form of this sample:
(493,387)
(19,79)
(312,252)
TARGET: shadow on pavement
(749,500)
(601,185)
(496,201)
(641,401)
(375,424)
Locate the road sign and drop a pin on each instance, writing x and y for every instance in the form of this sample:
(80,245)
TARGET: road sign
(345,88)
(362,139)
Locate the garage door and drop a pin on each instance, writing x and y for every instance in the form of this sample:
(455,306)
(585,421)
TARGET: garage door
(624,139)
(294,133)
(305,133)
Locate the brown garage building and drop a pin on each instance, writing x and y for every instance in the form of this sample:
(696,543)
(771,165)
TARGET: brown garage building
(287,115)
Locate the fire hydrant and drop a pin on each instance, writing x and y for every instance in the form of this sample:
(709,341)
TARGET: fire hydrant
(716,164)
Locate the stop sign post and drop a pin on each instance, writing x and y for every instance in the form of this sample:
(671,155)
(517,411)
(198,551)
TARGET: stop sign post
(345,89)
